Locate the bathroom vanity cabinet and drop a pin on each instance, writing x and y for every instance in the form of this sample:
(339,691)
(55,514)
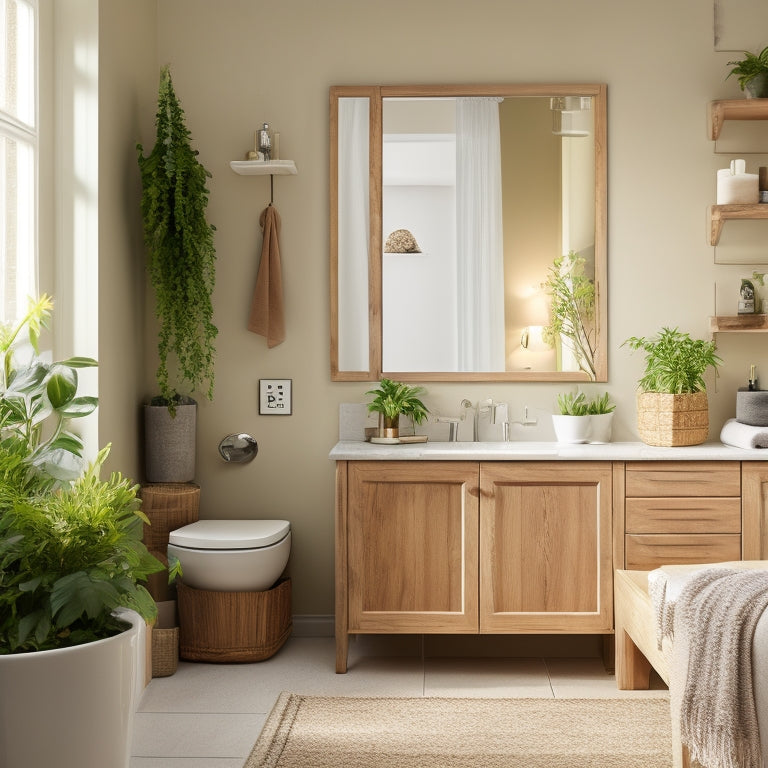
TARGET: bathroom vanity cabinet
(681,512)
(484,545)
(472,547)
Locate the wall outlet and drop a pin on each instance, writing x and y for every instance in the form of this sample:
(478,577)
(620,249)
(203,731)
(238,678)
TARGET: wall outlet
(275,397)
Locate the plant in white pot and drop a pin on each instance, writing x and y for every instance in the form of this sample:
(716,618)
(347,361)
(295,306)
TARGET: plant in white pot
(572,423)
(672,404)
(182,269)
(71,557)
(600,409)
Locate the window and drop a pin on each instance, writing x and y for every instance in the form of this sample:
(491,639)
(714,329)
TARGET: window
(18,155)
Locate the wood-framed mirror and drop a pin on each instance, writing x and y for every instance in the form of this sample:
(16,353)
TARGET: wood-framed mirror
(451,207)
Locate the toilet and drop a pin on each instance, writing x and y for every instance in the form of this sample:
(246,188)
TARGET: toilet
(232,555)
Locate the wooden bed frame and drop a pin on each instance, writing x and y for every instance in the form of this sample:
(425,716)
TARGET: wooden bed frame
(636,646)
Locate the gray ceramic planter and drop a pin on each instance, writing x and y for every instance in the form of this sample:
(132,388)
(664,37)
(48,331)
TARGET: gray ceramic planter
(170,443)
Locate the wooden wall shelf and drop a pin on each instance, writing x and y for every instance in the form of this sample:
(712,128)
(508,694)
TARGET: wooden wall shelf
(738,324)
(719,214)
(734,109)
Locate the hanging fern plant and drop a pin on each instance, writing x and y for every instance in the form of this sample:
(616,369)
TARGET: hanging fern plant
(182,257)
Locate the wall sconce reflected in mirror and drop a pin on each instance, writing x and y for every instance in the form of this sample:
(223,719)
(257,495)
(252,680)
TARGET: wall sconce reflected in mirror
(571,115)
(532,339)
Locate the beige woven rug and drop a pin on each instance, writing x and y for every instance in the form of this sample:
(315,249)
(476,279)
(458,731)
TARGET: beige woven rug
(315,732)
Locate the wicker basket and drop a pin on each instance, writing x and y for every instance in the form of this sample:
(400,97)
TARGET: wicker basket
(233,626)
(672,420)
(168,507)
(165,651)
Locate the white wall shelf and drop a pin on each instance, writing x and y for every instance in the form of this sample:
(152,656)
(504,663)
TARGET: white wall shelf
(264,167)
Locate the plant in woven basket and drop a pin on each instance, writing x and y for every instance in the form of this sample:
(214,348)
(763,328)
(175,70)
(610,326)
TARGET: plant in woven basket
(674,362)
(672,406)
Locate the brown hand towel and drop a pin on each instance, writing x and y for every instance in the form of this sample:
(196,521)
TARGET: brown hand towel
(267,315)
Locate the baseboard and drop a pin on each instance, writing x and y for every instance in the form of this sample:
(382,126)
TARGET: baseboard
(313,626)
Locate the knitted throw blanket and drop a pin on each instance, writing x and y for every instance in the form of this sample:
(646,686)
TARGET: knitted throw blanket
(714,623)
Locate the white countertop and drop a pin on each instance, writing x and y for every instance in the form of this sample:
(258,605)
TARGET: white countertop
(357,450)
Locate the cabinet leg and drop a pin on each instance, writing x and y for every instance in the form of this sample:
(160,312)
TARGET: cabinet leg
(342,652)
(609,654)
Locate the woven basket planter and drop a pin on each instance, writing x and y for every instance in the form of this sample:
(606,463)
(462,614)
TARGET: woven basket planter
(672,420)
(233,626)
(168,506)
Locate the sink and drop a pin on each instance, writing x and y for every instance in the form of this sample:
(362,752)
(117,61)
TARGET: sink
(492,449)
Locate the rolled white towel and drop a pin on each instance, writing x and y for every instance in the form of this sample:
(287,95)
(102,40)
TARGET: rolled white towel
(743,435)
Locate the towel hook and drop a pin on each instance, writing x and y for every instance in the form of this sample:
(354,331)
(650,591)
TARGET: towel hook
(271,188)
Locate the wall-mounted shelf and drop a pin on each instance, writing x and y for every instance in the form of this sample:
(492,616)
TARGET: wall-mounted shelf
(738,324)
(719,214)
(264,167)
(735,109)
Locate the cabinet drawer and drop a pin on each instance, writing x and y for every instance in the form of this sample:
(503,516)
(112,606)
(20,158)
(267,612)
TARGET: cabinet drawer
(684,515)
(689,478)
(648,551)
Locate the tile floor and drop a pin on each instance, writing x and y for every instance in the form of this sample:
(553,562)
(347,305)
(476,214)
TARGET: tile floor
(209,715)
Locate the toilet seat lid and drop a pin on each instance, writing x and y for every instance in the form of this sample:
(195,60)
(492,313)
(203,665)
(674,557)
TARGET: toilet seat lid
(230,534)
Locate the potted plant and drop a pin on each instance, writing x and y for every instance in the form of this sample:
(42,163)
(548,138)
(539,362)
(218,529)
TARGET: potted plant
(600,410)
(752,72)
(182,271)
(571,423)
(71,555)
(672,405)
(393,399)
(572,311)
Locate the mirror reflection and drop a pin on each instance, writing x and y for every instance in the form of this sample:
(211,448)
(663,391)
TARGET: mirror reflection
(452,213)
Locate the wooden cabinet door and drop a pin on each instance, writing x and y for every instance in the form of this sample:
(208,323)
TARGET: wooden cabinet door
(754,510)
(546,547)
(412,531)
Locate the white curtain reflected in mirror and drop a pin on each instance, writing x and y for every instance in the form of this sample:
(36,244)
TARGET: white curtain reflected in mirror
(353,233)
(480,237)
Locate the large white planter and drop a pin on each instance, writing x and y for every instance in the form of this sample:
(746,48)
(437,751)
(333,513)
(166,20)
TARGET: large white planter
(72,708)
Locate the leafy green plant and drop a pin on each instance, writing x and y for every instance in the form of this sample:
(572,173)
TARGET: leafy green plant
(601,404)
(572,404)
(38,399)
(748,68)
(69,558)
(674,362)
(572,310)
(393,399)
(71,546)
(181,251)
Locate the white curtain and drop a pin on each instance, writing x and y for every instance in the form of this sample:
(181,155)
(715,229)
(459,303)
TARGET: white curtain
(353,234)
(479,233)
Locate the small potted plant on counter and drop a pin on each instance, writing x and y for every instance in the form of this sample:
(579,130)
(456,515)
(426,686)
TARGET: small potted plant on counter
(393,399)
(572,423)
(600,411)
(752,72)
(672,404)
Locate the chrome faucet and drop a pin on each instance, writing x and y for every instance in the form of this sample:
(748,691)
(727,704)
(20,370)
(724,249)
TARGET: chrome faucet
(495,414)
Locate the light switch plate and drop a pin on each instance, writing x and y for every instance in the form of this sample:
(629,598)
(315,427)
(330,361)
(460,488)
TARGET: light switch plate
(275,397)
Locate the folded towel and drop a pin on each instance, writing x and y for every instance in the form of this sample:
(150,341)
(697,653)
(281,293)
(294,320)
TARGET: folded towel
(267,315)
(743,435)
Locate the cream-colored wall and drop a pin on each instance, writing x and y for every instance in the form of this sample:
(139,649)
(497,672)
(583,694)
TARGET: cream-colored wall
(237,63)
(128,77)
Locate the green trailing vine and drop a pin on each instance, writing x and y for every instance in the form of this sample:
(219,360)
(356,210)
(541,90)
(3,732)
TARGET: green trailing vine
(182,256)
